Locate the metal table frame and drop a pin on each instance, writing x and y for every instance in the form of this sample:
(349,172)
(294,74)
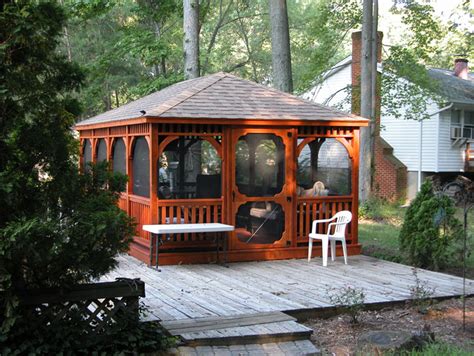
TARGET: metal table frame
(166,229)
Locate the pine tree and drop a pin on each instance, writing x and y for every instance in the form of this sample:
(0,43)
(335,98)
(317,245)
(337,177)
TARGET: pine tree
(429,229)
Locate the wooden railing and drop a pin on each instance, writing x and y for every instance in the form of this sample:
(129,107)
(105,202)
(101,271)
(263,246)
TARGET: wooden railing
(96,305)
(188,211)
(140,210)
(122,202)
(309,209)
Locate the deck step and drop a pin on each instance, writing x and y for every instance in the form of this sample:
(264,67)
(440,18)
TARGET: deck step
(300,347)
(241,329)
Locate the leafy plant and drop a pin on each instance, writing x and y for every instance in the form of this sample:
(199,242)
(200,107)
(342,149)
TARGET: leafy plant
(429,229)
(350,298)
(127,336)
(421,293)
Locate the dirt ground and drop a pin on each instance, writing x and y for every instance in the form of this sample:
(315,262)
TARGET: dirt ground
(338,336)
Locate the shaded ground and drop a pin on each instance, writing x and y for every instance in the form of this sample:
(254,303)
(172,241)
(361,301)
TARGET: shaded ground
(338,336)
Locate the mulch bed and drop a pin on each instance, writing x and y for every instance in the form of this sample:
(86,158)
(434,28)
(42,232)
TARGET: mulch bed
(338,336)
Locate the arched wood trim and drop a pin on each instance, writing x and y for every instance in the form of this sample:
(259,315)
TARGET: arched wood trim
(302,144)
(347,145)
(217,146)
(113,141)
(109,142)
(132,144)
(165,143)
(93,149)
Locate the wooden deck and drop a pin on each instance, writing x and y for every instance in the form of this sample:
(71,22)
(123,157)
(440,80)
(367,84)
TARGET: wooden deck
(206,293)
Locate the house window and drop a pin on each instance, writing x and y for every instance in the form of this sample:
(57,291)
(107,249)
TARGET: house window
(468,129)
(456,117)
(462,124)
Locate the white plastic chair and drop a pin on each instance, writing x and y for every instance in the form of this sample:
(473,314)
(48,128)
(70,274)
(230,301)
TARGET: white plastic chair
(341,219)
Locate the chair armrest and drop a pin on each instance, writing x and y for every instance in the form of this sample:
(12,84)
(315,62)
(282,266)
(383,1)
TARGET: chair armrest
(335,224)
(315,222)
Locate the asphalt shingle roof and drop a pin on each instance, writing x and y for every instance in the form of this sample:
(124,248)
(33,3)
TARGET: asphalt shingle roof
(221,96)
(454,89)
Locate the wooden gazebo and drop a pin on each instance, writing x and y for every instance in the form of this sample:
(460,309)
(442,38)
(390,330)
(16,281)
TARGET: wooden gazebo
(223,149)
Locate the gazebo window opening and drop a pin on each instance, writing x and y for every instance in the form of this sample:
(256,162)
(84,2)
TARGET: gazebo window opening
(119,163)
(189,168)
(101,151)
(86,155)
(324,168)
(260,165)
(141,168)
(260,222)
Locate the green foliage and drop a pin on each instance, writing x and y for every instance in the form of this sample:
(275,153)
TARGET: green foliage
(350,298)
(437,349)
(57,227)
(421,293)
(379,209)
(127,336)
(323,37)
(430,229)
(407,61)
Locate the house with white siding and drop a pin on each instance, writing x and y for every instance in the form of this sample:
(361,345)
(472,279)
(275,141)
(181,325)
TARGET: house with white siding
(442,144)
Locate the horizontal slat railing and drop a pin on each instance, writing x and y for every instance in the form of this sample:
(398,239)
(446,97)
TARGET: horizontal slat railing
(309,209)
(187,211)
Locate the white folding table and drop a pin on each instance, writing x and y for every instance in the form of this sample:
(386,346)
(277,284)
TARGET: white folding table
(167,229)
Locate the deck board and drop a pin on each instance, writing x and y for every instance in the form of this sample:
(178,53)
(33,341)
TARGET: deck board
(200,291)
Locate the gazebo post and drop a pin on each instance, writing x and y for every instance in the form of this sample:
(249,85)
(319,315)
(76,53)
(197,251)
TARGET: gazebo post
(128,165)
(154,156)
(355,187)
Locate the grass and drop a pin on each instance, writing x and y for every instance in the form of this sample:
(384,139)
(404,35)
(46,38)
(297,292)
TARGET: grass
(436,349)
(380,225)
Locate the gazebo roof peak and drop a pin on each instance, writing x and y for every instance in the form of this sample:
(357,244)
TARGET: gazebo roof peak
(221,96)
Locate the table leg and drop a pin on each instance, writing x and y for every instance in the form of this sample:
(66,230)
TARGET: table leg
(226,247)
(151,249)
(217,239)
(158,241)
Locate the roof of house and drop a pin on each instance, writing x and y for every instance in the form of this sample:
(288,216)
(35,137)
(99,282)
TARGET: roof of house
(221,96)
(454,89)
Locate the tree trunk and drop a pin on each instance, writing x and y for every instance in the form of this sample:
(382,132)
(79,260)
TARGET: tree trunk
(66,38)
(281,55)
(365,172)
(191,38)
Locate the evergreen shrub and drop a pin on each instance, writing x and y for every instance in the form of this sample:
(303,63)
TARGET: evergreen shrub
(430,229)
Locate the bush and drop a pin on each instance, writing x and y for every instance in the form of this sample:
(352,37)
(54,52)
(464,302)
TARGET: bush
(128,336)
(430,228)
(351,298)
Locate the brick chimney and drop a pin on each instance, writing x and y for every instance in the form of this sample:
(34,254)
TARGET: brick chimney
(390,175)
(356,58)
(461,69)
